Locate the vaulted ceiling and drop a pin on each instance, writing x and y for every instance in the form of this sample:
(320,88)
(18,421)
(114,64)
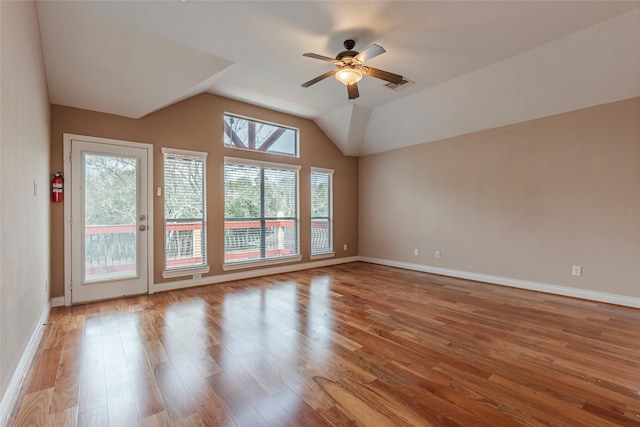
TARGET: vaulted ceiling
(473,65)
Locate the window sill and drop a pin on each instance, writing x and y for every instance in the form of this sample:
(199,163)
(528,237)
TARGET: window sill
(323,255)
(261,263)
(181,272)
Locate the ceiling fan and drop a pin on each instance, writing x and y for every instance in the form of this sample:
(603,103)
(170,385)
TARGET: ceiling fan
(350,69)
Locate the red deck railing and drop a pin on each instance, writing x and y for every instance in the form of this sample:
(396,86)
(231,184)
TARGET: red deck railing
(319,236)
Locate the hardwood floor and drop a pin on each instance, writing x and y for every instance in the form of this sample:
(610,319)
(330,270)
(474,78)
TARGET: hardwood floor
(349,345)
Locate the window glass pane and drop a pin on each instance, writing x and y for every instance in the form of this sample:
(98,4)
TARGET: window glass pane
(110,247)
(247,134)
(241,191)
(280,193)
(184,211)
(319,194)
(320,236)
(261,218)
(321,213)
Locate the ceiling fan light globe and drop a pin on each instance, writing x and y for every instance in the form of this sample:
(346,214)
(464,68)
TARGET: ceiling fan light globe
(348,76)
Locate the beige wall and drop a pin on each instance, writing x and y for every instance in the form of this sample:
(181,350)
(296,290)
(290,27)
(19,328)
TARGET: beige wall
(525,201)
(24,158)
(196,124)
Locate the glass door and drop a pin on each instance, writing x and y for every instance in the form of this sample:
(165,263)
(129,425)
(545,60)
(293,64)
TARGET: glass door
(108,221)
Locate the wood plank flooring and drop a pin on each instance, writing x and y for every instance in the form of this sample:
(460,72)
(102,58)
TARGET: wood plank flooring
(350,345)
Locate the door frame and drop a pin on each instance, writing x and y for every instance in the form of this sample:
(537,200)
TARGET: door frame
(67,138)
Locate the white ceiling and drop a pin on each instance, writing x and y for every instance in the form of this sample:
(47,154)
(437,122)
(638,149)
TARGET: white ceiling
(475,65)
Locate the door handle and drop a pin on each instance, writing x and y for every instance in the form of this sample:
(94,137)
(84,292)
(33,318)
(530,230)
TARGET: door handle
(142,227)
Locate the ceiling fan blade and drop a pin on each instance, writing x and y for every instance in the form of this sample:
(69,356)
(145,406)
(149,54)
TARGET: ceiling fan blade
(317,79)
(352,89)
(323,58)
(384,75)
(370,52)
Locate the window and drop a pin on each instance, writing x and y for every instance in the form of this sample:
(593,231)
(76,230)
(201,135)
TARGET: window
(321,211)
(248,134)
(184,212)
(260,211)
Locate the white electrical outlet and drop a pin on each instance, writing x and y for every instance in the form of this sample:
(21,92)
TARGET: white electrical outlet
(35,187)
(437,255)
(345,247)
(197,276)
(416,252)
(576,270)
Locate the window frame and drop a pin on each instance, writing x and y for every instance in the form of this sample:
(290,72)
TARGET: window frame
(295,155)
(191,270)
(331,252)
(236,265)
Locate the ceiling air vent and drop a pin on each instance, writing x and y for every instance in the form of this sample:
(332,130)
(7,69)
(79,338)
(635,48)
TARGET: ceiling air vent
(397,86)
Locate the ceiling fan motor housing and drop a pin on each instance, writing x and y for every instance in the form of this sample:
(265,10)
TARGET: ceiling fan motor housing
(346,55)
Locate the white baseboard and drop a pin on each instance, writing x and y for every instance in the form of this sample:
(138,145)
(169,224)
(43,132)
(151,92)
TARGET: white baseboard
(11,394)
(248,274)
(514,283)
(57,302)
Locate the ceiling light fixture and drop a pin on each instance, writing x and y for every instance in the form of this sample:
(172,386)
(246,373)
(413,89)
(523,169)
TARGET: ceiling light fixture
(350,68)
(348,75)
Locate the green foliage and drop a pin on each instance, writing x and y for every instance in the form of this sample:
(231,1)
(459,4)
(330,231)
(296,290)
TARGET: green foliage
(242,197)
(320,200)
(243,186)
(110,190)
(279,193)
(183,188)
(320,194)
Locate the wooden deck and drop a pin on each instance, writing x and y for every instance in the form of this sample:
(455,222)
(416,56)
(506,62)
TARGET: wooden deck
(349,345)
